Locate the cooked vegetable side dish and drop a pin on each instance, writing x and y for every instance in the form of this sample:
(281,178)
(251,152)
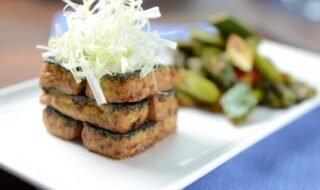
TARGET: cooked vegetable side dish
(108,80)
(225,72)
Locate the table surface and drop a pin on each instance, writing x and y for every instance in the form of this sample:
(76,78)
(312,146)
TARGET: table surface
(25,23)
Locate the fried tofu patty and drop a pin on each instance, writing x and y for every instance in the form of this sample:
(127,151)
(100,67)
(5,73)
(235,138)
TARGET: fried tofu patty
(114,117)
(54,76)
(60,125)
(133,88)
(162,106)
(121,146)
(119,88)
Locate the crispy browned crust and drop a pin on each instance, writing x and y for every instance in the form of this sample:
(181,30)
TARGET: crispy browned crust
(134,88)
(125,88)
(162,106)
(114,117)
(121,146)
(55,76)
(60,125)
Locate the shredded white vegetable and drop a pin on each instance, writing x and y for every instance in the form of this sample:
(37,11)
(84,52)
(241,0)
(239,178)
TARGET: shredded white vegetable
(108,37)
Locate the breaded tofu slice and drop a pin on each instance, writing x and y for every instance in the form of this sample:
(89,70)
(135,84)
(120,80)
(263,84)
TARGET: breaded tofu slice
(54,76)
(132,88)
(162,106)
(115,117)
(119,88)
(121,146)
(60,125)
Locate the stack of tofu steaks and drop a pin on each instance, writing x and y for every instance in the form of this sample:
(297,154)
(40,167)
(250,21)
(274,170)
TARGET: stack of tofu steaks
(139,111)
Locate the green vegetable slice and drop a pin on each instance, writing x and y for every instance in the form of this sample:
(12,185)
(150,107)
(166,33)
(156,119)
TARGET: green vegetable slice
(238,101)
(198,87)
(219,69)
(228,25)
(185,100)
(239,53)
(266,69)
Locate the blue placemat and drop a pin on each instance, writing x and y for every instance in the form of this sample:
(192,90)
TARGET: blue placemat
(288,159)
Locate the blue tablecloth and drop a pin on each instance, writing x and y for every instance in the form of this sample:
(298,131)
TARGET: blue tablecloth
(288,159)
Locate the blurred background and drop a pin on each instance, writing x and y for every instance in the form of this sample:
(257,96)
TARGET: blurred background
(25,23)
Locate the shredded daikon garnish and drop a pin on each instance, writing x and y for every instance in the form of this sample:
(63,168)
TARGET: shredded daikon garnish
(108,37)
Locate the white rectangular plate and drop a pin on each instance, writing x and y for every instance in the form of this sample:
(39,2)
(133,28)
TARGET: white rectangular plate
(203,140)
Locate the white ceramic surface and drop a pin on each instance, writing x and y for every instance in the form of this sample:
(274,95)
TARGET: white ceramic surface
(203,140)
